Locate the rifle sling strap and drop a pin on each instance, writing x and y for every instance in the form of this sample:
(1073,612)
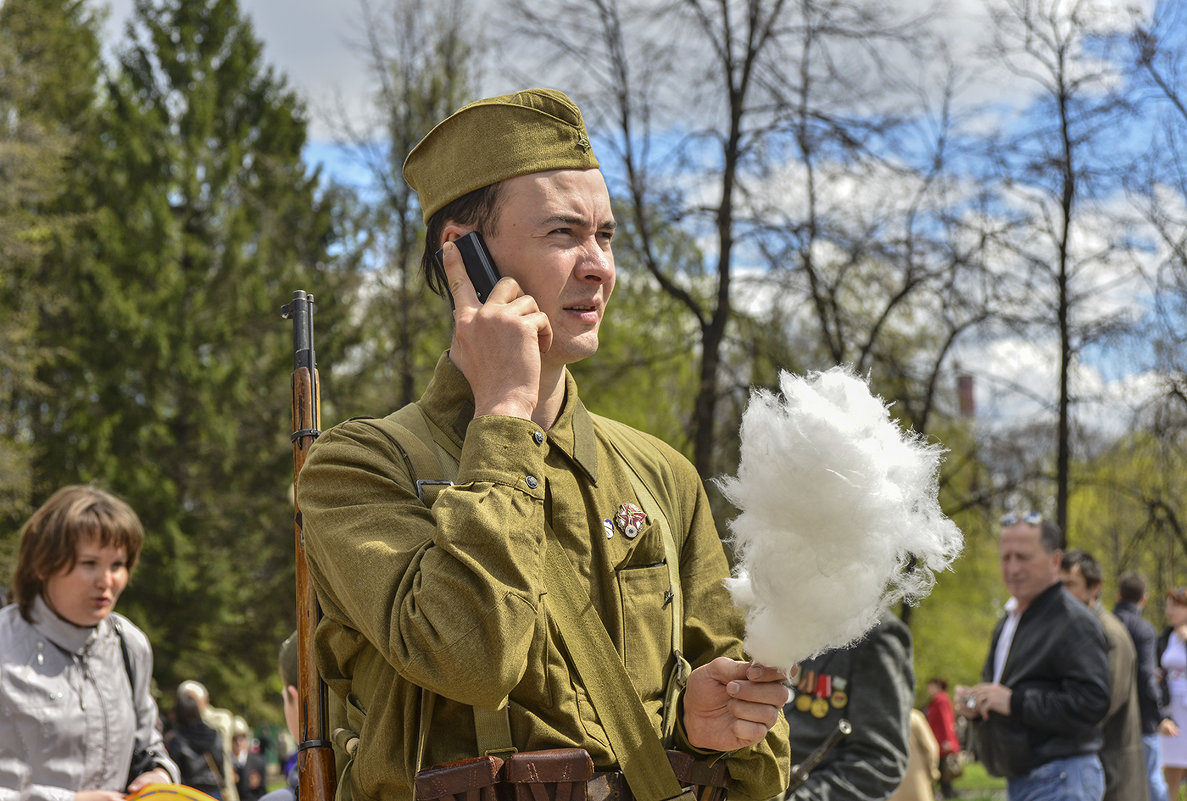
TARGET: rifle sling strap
(640,754)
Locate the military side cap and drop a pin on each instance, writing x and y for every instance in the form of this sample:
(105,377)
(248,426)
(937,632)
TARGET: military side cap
(491,140)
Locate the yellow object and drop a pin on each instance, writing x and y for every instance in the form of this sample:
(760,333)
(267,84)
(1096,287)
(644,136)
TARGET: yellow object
(162,792)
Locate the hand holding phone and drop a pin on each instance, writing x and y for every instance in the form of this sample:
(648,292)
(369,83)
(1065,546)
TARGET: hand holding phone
(497,348)
(479,265)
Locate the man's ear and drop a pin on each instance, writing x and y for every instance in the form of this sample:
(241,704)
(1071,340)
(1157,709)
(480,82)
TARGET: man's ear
(291,693)
(452,231)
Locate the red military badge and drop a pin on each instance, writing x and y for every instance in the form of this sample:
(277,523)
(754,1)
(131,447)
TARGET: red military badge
(630,519)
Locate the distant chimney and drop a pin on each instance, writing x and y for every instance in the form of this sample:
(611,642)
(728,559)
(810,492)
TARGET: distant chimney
(964,390)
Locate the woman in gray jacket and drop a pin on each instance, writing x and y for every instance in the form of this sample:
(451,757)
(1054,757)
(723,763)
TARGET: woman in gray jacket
(79,721)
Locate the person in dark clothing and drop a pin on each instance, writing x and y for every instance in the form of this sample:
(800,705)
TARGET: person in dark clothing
(1044,692)
(195,747)
(871,685)
(249,765)
(1131,600)
(1121,754)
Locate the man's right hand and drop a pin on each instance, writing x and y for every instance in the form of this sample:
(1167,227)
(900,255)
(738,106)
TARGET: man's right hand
(497,344)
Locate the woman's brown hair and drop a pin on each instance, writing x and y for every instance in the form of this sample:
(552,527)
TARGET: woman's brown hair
(51,537)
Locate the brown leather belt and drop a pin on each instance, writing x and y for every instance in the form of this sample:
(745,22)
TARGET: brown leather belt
(559,774)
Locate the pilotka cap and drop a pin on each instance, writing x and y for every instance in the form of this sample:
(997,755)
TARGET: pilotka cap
(491,140)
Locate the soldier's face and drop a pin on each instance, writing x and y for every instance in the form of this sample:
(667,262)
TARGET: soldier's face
(553,236)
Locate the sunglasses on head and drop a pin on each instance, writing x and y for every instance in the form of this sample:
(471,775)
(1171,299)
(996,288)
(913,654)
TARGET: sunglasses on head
(1029,518)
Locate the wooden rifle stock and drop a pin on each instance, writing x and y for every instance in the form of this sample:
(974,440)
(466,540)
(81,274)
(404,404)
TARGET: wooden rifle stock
(315,756)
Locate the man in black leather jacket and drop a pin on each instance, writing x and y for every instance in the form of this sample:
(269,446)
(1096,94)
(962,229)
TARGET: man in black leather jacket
(1045,684)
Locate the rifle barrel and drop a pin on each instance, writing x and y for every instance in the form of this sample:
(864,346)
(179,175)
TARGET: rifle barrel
(315,760)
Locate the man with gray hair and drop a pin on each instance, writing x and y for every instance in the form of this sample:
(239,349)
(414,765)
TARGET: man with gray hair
(1044,692)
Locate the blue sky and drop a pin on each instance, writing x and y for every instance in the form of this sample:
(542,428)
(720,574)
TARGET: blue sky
(314,43)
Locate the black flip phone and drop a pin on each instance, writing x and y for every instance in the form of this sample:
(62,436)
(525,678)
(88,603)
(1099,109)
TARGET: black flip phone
(479,265)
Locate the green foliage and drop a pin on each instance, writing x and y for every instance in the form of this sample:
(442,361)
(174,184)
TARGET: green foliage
(977,785)
(170,386)
(49,68)
(1127,512)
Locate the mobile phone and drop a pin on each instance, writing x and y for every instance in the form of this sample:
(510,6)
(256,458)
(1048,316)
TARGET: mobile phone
(479,265)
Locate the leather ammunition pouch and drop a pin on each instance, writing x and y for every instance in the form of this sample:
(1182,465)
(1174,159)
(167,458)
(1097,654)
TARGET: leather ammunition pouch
(473,779)
(558,774)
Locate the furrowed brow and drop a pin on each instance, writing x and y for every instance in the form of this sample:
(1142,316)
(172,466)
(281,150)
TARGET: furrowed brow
(577,221)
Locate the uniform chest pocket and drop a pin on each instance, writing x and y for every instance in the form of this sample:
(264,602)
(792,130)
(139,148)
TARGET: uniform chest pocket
(646,626)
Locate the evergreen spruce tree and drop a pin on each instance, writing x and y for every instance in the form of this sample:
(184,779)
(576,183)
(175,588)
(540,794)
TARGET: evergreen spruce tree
(175,393)
(49,74)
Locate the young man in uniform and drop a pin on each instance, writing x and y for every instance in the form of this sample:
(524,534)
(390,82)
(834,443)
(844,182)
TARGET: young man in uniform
(438,618)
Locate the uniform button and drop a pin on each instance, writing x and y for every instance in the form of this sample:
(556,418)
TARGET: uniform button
(532,482)
(538,436)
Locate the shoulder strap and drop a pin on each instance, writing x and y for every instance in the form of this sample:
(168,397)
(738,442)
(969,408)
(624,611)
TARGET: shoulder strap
(655,512)
(127,656)
(119,632)
(432,468)
(632,736)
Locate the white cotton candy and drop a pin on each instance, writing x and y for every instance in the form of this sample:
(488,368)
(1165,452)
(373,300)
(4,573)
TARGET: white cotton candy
(839,516)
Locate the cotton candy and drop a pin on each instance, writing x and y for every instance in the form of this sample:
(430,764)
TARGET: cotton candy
(839,516)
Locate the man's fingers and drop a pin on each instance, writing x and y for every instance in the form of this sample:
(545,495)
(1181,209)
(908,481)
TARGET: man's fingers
(464,296)
(724,669)
(748,732)
(768,693)
(544,333)
(755,711)
(757,672)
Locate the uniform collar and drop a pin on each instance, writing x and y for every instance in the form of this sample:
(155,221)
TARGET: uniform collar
(62,633)
(449,404)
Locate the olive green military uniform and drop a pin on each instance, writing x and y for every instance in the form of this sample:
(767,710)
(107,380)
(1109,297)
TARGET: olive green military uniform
(455,600)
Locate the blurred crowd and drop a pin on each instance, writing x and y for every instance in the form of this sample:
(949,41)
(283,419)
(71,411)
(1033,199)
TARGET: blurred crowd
(1074,702)
(217,752)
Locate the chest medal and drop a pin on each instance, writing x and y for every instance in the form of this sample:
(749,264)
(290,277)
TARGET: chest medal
(630,520)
